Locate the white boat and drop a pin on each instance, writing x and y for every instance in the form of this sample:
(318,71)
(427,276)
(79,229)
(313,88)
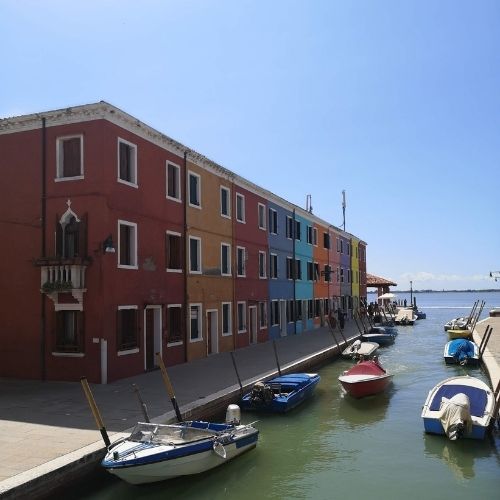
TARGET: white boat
(155,452)
(456,324)
(459,407)
(358,349)
(405,316)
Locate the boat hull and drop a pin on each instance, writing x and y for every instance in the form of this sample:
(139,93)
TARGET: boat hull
(451,356)
(459,334)
(362,388)
(382,339)
(481,411)
(365,349)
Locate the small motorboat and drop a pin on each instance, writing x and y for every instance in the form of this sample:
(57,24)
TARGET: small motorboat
(155,452)
(457,323)
(405,316)
(420,314)
(365,379)
(280,394)
(459,407)
(461,351)
(358,349)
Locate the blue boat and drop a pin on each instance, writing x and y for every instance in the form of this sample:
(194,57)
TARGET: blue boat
(280,394)
(459,407)
(461,351)
(379,336)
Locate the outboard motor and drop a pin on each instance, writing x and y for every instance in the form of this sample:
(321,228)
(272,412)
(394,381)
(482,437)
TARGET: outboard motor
(261,394)
(233,415)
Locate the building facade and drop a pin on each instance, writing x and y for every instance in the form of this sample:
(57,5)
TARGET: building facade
(128,244)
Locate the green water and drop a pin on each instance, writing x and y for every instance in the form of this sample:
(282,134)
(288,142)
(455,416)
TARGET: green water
(337,447)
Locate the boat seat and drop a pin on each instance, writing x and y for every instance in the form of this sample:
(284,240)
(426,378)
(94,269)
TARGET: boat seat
(477,398)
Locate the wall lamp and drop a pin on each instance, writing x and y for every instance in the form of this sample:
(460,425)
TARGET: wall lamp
(108,245)
(495,274)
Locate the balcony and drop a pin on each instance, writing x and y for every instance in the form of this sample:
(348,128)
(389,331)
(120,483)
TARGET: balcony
(63,283)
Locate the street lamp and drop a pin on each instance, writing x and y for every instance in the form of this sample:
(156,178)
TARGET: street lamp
(411,293)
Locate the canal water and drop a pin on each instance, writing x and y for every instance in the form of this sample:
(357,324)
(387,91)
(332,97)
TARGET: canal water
(337,447)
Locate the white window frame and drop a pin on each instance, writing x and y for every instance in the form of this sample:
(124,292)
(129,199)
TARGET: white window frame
(133,182)
(199,306)
(262,265)
(177,168)
(228,246)
(261,216)
(198,189)
(273,257)
(59,158)
(228,195)
(243,252)
(191,271)
(229,319)
(132,243)
(171,269)
(240,197)
(244,322)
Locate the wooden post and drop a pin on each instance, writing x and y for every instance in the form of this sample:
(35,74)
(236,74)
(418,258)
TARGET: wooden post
(236,370)
(144,408)
(276,356)
(168,385)
(95,411)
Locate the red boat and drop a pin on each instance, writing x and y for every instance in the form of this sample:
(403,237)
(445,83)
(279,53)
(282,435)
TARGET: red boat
(365,378)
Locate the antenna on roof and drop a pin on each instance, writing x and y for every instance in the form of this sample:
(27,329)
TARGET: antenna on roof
(309,207)
(343,207)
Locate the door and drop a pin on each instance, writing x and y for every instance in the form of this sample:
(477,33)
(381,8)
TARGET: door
(152,336)
(253,324)
(212,332)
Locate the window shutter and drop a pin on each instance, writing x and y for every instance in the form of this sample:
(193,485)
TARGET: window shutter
(59,237)
(82,236)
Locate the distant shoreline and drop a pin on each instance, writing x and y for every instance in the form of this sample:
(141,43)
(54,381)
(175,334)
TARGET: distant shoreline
(488,290)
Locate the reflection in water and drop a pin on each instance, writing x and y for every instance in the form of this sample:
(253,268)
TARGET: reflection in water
(363,412)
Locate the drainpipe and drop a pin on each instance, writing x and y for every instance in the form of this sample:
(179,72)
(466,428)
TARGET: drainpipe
(186,261)
(234,310)
(43,249)
(294,267)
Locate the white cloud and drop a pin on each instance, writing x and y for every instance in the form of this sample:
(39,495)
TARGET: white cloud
(426,277)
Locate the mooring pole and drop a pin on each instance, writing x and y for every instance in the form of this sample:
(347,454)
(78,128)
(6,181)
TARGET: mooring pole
(236,370)
(168,385)
(144,408)
(276,356)
(484,340)
(95,411)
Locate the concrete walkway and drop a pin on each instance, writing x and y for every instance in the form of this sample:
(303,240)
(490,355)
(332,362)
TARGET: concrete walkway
(48,434)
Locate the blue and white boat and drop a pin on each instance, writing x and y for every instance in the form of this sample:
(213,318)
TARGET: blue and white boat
(280,394)
(459,407)
(155,452)
(379,335)
(461,351)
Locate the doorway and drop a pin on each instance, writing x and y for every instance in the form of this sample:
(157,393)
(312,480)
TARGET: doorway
(253,324)
(152,336)
(212,334)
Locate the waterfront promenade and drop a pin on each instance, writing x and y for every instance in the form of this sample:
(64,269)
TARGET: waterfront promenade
(48,434)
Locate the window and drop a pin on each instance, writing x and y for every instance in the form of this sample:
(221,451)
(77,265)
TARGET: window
(71,236)
(316,271)
(240,207)
(326,307)
(341,246)
(297,230)
(226,318)
(242,317)
(69,154)
(127,245)
(194,190)
(240,261)
(262,315)
(225,257)
(173,181)
(174,323)
(195,322)
(348,248)
(298,269)
(127,162)
(273,266)
(289,227)
(328,273)
(273,221)
(290,310)
(309,235)
(348,276)
(261,209)
(309,271)
(275,312)
(194,255)
(289,268)
(173,251)
(342,275)
(298,310)
(69,331)
(127,327)
(326,240)
(262,264)
(315,236)
(225,202)
(310,309)
(338,274)
(338,244)
(317,308)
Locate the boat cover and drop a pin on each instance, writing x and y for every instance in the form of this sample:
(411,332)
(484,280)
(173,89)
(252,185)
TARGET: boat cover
(477,397)
(461,349)
(455,416)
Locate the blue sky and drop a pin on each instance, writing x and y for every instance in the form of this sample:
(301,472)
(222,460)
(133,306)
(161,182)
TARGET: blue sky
(395,101)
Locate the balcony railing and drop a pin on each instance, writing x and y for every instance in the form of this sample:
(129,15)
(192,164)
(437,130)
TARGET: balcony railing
(63,277)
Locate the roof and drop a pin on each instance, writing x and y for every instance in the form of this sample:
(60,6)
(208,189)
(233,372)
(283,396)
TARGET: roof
(375,281)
